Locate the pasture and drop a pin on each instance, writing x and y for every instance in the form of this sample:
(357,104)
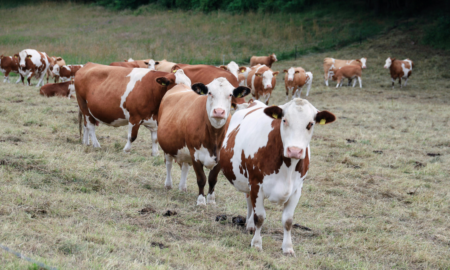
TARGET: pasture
(374,198)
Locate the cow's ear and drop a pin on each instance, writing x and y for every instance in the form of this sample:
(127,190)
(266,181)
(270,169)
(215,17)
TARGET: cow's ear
(258,74)
(145,62)
(156,63)
(274,112)
(241,91)
(58,59)
(297,72)
(392,59)
(163,81)
(285,71)
(325,117)
(276,73)
(242,69)
(200,88)
(224,67)
(125,60)
(175,68)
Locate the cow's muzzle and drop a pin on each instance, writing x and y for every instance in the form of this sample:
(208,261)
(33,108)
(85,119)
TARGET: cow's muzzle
(294,152)
(218,113)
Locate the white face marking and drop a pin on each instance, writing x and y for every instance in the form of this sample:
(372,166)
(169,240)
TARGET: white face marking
(151,64)
(233,68)
(219,98)
(267,79)
(204,157)
(363,61)
(181,78)
(136,75)
(275,57)
(291,73)
(388,63)
(130,59)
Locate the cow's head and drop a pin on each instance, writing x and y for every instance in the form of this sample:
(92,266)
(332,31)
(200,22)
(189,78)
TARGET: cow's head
(268,78)
(389,62)
(363,62)
(298,118)
(273,57)
(172,79)
(55,69)
(151,64)
(291,73)
(218,104)
(23,55)
(233,68)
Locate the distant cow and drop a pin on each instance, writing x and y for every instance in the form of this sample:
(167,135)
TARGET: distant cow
(139,63)
(262,80)
(66,72)
(54,61)
(295,79)
(328,62)
(399,69)
(33,64)
(119,96)
(266,155)
(9,64)
(55,89)
(191,128)
(131,64)
(350,72)
(164,65)
(263,60)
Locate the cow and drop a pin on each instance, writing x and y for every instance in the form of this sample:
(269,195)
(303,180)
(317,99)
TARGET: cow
(54,60)
(33,63)
(328,62)
(118,96)
(399,69)
(263,60)
(56,89)
(9,64)
(164,65)
(131,64)
(243,74)
(191,128)
(294,80)
(233,68)
(65,72)
(262,80)
(206,74)
(139,63)
(350,72)
(266,154)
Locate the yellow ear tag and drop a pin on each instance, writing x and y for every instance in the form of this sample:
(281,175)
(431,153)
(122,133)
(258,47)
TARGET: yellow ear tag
(240,95)
(175,71)
(163,84)
(275,116)
(242,71)
(323,121)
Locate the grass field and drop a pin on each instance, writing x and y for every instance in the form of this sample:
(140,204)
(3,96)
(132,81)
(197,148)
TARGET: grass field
(378,202)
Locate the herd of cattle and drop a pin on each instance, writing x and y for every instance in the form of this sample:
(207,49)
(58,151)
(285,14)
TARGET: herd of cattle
(262,150)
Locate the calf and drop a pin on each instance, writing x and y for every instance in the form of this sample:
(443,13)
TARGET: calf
(191,128)
(33,63)
(54,61)
(328,62)
(263,60)
(118,96)
(266,154)
(66,72)
(262,80)
(9,64)
(350,72)
(399,69)
(56,89)
(295,79)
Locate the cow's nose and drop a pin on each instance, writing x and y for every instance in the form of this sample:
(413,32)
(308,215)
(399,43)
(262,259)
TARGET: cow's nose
(269,86)
(219,113)
(290,79)
(294,152)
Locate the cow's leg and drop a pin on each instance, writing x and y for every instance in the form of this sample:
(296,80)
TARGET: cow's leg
(326,78)
(212,180)
(41,80)
(6,76)
(299,92)
(201,181)
(338,83)
(154,142)
(250,221)
(183,179)
(85,135)
(169,161)
(400,81)
(360,82)
(287,220)
(406,80)
(393,82)
(91,129)
(18,79)
(287,93)
(350,82)
(31,75)
(354,82)
(259,214)
(132,135)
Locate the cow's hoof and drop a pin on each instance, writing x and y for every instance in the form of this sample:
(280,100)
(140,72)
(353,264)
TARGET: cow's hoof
(183,189)
(154,154)
(251,230)
(201,201)
(168,187)
(288,252)
(211,198)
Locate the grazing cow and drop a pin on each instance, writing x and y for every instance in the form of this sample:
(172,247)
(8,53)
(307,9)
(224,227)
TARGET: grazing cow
(56,89)
(164,65)
(66,72)
(119,96)
(263,60)
(266,154)
(206,74)
(328,62)
(33,63)
(131,64)
(399,69)
(262,80)
(139,63)
(350,72)
(9,64)
(54,61)
(191,128)
(295,79)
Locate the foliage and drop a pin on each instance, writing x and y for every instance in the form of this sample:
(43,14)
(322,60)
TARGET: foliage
(438,35)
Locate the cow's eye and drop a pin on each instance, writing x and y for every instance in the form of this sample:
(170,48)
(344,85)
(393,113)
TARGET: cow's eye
(231,95)
(309,126)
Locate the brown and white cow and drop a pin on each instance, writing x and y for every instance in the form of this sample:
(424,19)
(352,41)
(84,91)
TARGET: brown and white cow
(266,155)
(56,89)
(54,60)
(140,63)
(9,64)
(262,80)
(399,69)
(294,80)
(118,96)
(65,72)
(191,129)
(263,60)
(33,63)
(328,62)
(350,72)
(164,65)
